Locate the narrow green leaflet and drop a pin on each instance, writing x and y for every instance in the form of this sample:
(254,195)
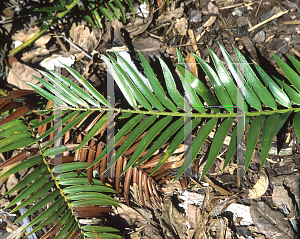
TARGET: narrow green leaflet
(252,138)
(263,94)
(89,195)
(172,129)
(102,235)
(150,135)
(171,85)
(93,202)
(132,137)
(76,89)
(79,181)
(235,139)
(70,175)
(293,95)
(53,216)
(61,87)
(183,132)
(14,138)
(46,212)
(30,189)
(14,129)
(121,8)
(59,123)
(28,179)
(196,146)
(280,122)
(201,89)
(101,122)
(221,92)
(24,165)
(88,86)
(100,229)
(66,227)
(279,95)
(45,121)
(123,131)
(250,96)
(46,94)
(140,84)
(120,82)
(11,124)
(217,143)
(35,196)
(39,204)
(267,136)
(88,188)
(57,92)
(290,74)
(135,91)
(105,12)
(224,77)
(18,144)
(69,167)
(296,124)
(295,62)
(156,86)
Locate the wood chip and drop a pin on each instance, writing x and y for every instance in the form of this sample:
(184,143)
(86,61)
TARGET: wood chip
(268,20)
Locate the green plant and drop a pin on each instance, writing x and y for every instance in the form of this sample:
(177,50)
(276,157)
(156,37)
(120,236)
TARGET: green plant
(89,9)
(139,137)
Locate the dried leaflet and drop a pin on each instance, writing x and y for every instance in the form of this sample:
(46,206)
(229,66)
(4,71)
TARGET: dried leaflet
(260,187)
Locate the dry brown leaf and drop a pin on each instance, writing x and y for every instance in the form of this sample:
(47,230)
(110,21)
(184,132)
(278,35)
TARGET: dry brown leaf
(181,25)
(26,35)
(193,65)
(21,73)
(260,187)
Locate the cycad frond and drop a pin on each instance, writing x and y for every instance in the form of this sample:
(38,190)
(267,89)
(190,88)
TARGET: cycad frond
(159,123)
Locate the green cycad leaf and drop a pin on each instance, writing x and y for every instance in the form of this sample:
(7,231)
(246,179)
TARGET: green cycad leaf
(120,82)
(262,93)
(88,86)
(176,142)
(279,94)
(52,217)
(76,90)
(290,74)
(118,137)
(217,144)
(135,91)
(201,89)
(46,213)
(250,96)
(267,136)
(236,139)
(24,165)
(295,62)
(171,86)
(39,204)
(29,178)
(221,93)
(155,129)
(172,129)
(293,95)
(132,137)
(196,146)
(158,90)
(253,135)
(30,189)
(66,227)
(120,6)
(224,77)
(296,121)
(140,84)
